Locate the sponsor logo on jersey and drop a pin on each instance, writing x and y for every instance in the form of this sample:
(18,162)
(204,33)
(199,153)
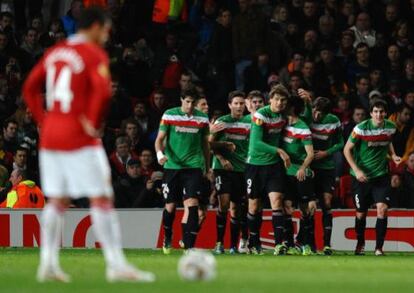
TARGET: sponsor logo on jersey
(320,136)
(378,143)
(186,129)
(235,136)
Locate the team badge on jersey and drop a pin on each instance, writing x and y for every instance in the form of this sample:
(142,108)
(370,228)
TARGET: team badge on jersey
(258,122)
(103,70)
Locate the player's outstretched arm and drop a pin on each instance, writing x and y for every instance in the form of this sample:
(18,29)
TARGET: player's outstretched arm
(159,147)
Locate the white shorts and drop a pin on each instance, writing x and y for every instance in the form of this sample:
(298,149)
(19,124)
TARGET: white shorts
(83,172)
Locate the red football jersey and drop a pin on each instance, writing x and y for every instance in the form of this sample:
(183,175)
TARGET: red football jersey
(76,77)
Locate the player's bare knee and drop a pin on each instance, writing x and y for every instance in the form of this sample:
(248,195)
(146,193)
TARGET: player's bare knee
(170,207)
(382,210)
(191,202)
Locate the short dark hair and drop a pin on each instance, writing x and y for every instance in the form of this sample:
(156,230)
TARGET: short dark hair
(378,103)
(322,104)
(297,104)
(190,92)
(6,14)
(255,94)
(280,90)
(8,121)
(361,76)
(22,149)
(361,45)
(92,15)
(235,94)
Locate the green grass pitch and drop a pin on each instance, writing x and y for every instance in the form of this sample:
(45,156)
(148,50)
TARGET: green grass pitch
(239,273)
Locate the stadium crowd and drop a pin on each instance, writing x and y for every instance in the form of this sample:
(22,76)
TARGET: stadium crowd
(348,51)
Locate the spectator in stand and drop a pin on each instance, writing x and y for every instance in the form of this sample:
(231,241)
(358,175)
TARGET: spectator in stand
(4,50)
(6,26)
(295,83)
(221,70)
(130,129)
(120,107)
(7,101)
(387,25)
(361,65)
(256,74)
(359,114)
(310,45)
(310,15)
(158,104)
(346,17)
(401,119)
(376,79)
(32,51)
(408,182)
(24,194)
(342,109)
(346,48)
(70,19)
(279,19)
(202,19)
(129,185)
(6,157)
(49,38)
(330,78)
(327,30)
(393,64)
(407,82)
(295,64)
(120,156)
(363,30)
(361,94)
(402,36)
(131,69)
(10,135)
(152,195)
(146,122)
(248,37)
(146,159)
(20,159)
(308,74)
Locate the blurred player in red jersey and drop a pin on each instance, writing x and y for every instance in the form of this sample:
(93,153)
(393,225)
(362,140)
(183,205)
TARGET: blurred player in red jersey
(72,160)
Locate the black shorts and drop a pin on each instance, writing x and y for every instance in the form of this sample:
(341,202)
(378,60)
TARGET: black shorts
(324,181)
(233,183)
(299,191)
(374,191)
(262,180)
(179,185)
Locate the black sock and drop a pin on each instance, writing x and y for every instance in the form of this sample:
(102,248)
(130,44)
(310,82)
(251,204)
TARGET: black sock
(305,230)
(183,230)
(299,237)
(277,221)
(254,236)
(311,232)
(360,225)
(289,230)
(221,221)
(192,227)
(244,227)
(168,220)
(327,227)
(234,231)
(381,230)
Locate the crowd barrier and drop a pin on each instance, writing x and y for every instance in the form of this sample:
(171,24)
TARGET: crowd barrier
(142,228)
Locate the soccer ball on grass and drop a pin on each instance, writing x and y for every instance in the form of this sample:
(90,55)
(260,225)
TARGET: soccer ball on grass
(197,265)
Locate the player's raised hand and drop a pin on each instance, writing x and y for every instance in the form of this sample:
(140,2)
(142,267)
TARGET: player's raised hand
(216,127)
(360,176)
(305,95)
(285,157)
(396,159)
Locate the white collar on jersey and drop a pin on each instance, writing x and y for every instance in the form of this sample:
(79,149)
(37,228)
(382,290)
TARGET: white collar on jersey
(77,39)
